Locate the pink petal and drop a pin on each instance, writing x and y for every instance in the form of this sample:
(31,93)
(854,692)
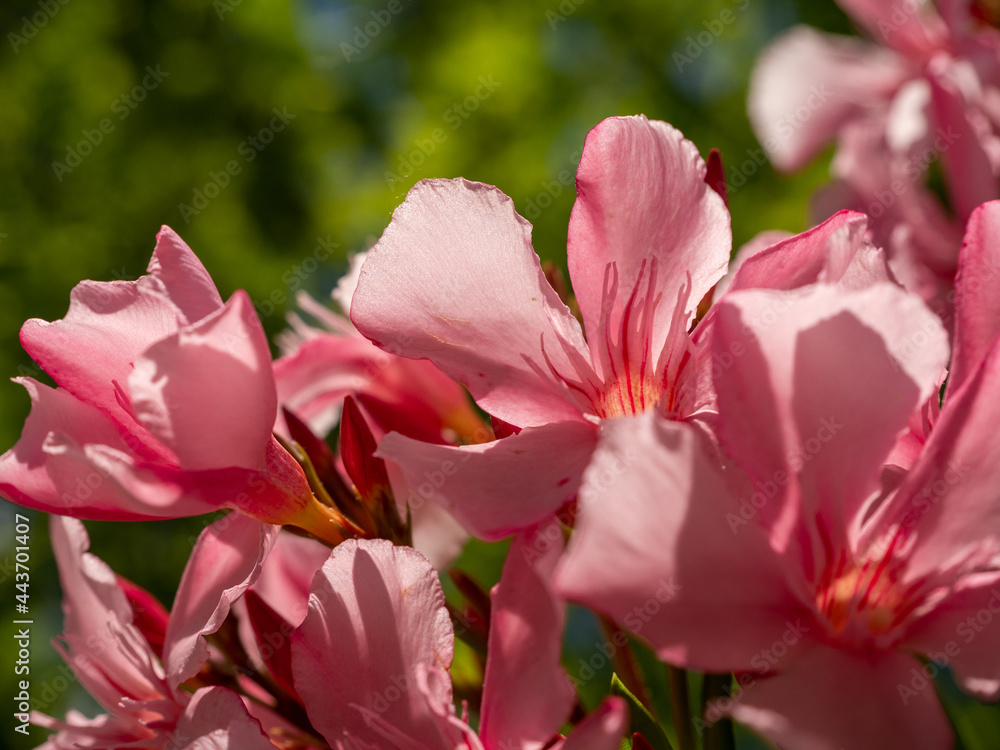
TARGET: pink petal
(288,572)
(226,560)
(108,653)
(960,633)
(437,535)
(110,324)
(373,653)
(207,391)
(948,501)
(806,706)
(217,719)
(795,361)
(526,693)
(454,280)
(73,460)
(756,245)
(642,197)
(807,85)
(602,730)
(176,271)
(977,304)
(494,489)
(664,565)
(914,30)
(967,165)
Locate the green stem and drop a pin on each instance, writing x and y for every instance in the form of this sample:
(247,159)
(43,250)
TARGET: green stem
(680,705)
(718,735)
(625,666)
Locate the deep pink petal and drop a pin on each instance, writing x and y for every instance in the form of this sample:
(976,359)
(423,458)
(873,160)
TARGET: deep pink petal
(72,459)
(495,488)
(807,85)
(226,560)
(795,362)
(217,719)
(642,197)
(454,280)
(208,392)
(807,705)
(373,653)
(977,293)
(661,547)
(526,693)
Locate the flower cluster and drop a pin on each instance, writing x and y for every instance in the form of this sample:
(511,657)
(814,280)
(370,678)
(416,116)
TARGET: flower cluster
(782,472)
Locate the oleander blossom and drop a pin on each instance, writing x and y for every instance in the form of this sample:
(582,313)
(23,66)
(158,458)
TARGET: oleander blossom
(926,91)
(454,279)
(165,406)
(837,588)
(112,639)
(371,658)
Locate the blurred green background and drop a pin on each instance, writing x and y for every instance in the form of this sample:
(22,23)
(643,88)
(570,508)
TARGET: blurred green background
(263,129)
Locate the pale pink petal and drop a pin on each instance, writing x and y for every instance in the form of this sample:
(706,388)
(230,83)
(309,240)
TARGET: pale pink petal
(960,633)
(107,652)
(526,693)
(217,719)
(835,698)
(602,730)
(454,280)
(643,205)
(661,547)
(967,166)
(347,285)
(103,731)
(977,293)
(436,534)
(797,366)
(371,658)
(176,270)
(226,560)
(208,392)
(807,85)
(494,488)
(73,460)
(915,29)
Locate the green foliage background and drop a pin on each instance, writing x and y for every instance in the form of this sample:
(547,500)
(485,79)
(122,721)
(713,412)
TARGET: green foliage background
(361,132)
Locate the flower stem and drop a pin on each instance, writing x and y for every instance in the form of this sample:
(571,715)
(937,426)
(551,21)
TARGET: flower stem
(625,666)
(680,705)
(718,734)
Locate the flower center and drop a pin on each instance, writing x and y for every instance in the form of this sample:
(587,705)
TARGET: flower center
(862,602)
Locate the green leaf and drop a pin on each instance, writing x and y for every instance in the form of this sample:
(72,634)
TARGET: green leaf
(640,719)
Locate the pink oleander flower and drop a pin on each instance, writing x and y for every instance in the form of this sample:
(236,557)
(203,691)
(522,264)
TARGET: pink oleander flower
(165,406)
(454,280)
(928,89)
(793,571)
(371,658)
(106,642)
